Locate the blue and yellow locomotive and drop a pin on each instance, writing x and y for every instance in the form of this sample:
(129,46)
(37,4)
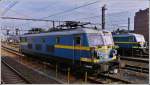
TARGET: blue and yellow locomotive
(130,43)
(81,47)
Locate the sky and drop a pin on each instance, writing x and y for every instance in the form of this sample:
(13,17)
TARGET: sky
(117,12)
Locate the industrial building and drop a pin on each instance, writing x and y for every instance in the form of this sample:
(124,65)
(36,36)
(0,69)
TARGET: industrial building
(141,23)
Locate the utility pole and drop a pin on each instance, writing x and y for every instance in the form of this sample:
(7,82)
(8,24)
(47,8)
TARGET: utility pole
(7,32)
(128,24)
(53,24)
(17,31)
(103,16)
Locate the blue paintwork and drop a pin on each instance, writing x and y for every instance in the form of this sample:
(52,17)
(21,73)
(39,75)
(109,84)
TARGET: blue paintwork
(64,40)
(125,38)
(60,52)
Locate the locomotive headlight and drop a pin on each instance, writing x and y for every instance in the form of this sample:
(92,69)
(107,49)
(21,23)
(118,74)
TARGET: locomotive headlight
(115,52)
(141,44)
(102,55)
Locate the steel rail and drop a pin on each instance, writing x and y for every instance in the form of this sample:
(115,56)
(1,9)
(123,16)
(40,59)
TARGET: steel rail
(16,72)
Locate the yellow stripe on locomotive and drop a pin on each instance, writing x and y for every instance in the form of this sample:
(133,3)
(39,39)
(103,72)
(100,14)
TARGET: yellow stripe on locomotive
(72,47)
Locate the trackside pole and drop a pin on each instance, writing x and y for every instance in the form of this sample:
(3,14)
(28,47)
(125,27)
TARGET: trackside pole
(56,71)
(68,80)
(44,67)
(119,63)
(85,80)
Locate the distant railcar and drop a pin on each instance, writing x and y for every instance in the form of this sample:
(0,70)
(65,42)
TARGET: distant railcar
(130,43)
(81,47)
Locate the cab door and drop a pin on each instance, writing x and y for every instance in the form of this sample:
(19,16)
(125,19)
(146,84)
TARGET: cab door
(76,47)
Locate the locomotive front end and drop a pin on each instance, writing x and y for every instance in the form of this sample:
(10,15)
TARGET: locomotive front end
(141,41)
(103,54)
(105,57)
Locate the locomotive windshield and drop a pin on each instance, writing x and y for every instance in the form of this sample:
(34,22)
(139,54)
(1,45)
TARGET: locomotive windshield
(95,39)
(108,40)
(140,38)
(98,39)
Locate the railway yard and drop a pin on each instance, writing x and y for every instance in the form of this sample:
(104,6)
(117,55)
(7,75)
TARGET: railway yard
(18,68)
(74,41)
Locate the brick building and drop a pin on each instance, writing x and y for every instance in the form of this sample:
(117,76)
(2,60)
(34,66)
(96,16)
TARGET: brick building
(141,23)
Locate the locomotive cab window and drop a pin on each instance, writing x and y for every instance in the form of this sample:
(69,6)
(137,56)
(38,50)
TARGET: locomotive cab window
(131,39)
(77,40)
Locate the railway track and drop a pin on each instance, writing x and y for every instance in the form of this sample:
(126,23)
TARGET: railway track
(12,76)
(123,77)
(142,56)
(108,79)
(135,64)
(30,75)
(10,50)
(105,78)
(144,60)
(137,69)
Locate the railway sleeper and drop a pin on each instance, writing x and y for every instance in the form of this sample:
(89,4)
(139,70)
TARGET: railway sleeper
(138,69)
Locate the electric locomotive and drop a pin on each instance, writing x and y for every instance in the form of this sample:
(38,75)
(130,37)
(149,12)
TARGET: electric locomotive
(130,44)
(78,47)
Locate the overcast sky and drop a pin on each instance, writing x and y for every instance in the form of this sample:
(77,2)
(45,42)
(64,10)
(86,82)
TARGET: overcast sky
(117,11)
